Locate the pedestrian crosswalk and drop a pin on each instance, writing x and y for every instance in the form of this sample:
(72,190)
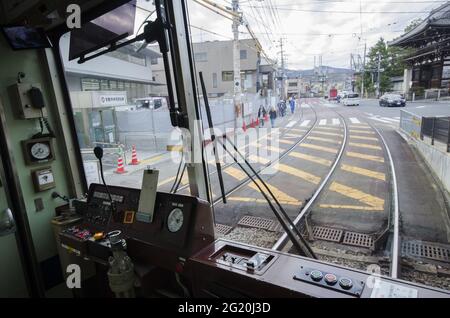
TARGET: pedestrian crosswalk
(354,122)
(330,121)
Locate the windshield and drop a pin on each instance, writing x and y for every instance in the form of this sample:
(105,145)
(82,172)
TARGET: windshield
(363,185)
(280,82)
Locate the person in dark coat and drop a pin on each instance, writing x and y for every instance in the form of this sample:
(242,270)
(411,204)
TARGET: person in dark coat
(261,115)
(273,116)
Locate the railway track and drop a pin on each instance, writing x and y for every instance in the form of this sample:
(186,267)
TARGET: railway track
(393,224)
(218,199)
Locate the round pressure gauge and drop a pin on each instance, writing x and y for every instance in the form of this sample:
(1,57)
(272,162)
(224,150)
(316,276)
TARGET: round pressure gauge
(40,151)
(175,220)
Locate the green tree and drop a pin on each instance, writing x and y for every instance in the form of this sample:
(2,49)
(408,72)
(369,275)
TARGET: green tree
(413,24)
(391,65)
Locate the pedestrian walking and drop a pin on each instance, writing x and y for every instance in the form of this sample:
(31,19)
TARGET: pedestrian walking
(261,115)
(273,116)
(292,104)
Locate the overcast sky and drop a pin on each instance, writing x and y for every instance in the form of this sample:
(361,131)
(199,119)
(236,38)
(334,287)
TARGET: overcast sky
(331,28)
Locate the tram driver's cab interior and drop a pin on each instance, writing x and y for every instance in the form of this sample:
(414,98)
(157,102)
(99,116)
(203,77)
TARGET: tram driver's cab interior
(126,241)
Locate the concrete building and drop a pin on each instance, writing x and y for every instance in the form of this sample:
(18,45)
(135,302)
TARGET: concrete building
(103,85)
(215,60)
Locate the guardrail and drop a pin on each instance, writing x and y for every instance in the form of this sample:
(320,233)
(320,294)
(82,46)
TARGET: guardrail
(436,128)
(430,128)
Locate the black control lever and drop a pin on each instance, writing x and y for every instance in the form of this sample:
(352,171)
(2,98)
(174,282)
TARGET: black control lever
(98,152)
(213,139)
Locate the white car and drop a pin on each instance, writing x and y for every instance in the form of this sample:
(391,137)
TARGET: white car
(351,99)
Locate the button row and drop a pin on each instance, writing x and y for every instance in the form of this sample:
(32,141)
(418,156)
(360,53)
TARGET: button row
(331,279)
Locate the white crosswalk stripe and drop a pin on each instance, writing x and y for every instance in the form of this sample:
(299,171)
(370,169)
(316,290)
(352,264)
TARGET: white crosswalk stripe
(355,120)
(336,121)
(380,120)
(322,122)
(291,124)
(305,123)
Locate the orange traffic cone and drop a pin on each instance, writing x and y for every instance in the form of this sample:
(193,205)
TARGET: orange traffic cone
(134,159)
(257,122)
(253,123)
(120,166)
(244,127)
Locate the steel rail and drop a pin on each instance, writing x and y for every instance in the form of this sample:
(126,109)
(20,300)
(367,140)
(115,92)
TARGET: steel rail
(270,164)
(282,240)
(281,135)
(395,259)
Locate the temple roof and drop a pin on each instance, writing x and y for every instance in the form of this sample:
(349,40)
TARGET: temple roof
(439,18)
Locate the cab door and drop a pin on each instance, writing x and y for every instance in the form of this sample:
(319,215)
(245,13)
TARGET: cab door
(12,278)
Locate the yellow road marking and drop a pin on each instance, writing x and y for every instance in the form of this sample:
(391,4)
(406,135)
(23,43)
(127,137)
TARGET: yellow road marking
(166,181)
(299,173)
(260,201)
(364,138)
(325,133)
(235,173)
(355,194)
(151,160)
(286,142)
(292,135)
(365,157)
(314,159)
(360,126)
(333,141)
(362,132)
(315,147)
(297,130)
(364,172)
(276,192)
(354,144)
(274,149)
(254,158)
(328,128)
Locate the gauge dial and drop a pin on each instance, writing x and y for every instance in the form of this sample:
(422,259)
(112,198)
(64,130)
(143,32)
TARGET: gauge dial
(175,220)
(40,151)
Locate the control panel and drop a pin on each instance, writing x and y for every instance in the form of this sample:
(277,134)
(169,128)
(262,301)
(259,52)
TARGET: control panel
(180,225)
(231,269)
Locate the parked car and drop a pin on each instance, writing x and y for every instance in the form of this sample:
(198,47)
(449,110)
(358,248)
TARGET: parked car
(352,99)
(391,100)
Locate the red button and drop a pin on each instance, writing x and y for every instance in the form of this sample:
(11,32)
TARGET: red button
(331,279)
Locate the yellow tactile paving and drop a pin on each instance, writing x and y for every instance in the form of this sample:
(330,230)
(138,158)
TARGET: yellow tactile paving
(315,147)
(314,159)
(260,201)
(325,133)
(286,142)
(282,196)
(367,146)
(364,138)
(364,172)
(372,202)
(235,173)
(299,173)
(333,141)
(166,181)
(365,157)
(355,131)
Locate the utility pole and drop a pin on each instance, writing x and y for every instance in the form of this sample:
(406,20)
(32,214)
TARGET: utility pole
(363,73)
(237,67)
(283,89)
(378,76)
